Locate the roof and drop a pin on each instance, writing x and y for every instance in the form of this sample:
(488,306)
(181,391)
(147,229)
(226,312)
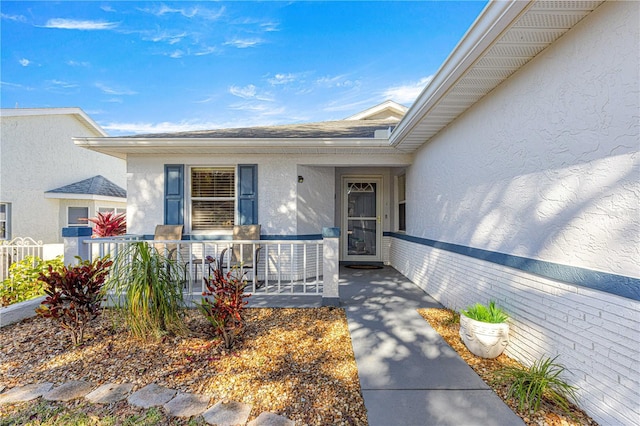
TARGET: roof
(506,36)
(319,130)
(388,110)
(76,112)
(95,187)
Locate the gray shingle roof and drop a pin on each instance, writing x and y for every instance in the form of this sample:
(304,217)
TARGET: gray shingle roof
(97,185)
(324,129)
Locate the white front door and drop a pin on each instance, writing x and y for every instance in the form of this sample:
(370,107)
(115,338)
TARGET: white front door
(361,219)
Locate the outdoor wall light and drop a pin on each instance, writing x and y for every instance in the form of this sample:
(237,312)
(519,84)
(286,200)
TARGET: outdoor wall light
(300,179)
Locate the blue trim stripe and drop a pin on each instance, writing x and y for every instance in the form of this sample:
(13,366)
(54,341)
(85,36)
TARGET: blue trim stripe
(191,237)
(619,285)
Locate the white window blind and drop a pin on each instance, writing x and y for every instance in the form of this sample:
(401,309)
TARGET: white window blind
(213,192)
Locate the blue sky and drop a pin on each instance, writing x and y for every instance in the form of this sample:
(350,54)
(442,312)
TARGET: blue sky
(145,67)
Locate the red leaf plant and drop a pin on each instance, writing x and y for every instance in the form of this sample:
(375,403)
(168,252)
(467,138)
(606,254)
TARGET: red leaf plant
(74,295)
(225,310)
(109,224)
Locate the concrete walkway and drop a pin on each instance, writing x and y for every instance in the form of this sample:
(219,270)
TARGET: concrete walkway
(408,374)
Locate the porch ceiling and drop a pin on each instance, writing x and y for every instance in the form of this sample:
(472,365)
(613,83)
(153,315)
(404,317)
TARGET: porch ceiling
(503,39)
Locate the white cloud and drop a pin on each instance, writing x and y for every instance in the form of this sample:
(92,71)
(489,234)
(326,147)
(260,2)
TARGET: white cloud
(16,18)
(407,93)
(78,63)
(73,24)
(244,43)
(176,54)
(246,92)
(337,81)
(24,62)
(191,12)
(114,91)
(283,79)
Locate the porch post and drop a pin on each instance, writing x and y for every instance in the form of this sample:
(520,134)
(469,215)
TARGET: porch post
(331,264)
(74,238)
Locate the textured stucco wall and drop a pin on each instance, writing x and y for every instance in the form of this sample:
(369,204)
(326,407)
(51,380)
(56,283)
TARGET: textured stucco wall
(38,154)
(316,199)
(285,207)
(546,167)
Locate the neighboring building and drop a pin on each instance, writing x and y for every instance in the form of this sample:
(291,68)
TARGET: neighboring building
(46,182)
(515,176)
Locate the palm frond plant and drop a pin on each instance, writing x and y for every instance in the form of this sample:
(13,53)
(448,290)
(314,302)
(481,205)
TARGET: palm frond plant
(542,381)
(147,288)
(491,313)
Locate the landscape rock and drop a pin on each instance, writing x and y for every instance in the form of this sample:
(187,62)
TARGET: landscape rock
(25,393)
(271,419)
(150,396)
(68,391)
(187,405)
(227,414)
(109,393)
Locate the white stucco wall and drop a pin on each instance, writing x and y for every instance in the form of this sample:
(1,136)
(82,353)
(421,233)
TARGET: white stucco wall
(38,155)
(316,199)
(546,167)
(285,207)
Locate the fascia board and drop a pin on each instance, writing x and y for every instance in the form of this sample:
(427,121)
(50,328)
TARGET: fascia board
(78,113)
(494,20)
(92,143)
(90,197)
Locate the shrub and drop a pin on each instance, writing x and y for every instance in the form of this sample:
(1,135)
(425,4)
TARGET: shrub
(22,283)
(490,314)
(529,386)
(148,289)
(225,310)
(74,295)
(109,224)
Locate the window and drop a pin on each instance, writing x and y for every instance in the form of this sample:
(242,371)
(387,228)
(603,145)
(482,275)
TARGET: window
(402,215)
(115,210)
(77,216)
(4,221)
(213,198)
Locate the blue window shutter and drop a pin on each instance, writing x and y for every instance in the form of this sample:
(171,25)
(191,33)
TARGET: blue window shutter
(248,194)
(173,194)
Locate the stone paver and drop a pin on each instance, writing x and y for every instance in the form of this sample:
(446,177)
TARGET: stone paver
(187,405)
(68,391)
(150,396)
(227,414)
(270,419)
(109,393)
(25,393)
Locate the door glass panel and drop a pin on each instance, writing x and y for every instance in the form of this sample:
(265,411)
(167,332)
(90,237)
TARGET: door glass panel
(362,219)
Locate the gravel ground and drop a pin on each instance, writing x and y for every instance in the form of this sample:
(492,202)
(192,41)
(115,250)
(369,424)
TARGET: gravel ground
(447,325)
(295,362)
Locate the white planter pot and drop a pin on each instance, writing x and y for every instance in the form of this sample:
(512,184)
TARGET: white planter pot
(484,339)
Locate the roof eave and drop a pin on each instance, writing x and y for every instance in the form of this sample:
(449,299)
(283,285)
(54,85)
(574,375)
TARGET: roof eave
(487,28)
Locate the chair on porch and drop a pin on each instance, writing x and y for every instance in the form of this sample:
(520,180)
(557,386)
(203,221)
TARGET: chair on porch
(167,233)
(245,257)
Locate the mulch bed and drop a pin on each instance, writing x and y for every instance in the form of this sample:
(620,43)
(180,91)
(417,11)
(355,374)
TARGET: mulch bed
(295,362)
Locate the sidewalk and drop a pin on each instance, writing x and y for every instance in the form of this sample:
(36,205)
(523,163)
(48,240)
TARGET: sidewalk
(408,374)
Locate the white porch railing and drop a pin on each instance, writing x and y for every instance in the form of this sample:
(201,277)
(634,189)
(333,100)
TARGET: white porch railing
(15,251)
(284,267)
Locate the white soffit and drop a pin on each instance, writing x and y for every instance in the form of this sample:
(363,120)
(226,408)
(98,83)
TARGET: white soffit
(503,39)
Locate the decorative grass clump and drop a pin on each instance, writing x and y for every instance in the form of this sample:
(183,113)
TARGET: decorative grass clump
(147,288)
(491,314)
(542,381)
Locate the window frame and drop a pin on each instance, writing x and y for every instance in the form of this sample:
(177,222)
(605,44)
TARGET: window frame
(190,199)
(87,224)
(401,202)
(115,210)
(5,222)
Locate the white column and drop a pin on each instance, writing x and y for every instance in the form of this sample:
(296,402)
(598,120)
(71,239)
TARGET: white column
(331,267)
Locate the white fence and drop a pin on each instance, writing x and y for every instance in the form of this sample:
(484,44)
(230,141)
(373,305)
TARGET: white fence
(17,250)
(284,267)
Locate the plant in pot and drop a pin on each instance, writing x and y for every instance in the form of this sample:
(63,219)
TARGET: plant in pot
(484,329)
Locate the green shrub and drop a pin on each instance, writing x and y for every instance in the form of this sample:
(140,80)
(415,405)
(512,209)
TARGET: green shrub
(529,386)
(22,283)
(490,314)
(147,287)
(74,295)
(224,311)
